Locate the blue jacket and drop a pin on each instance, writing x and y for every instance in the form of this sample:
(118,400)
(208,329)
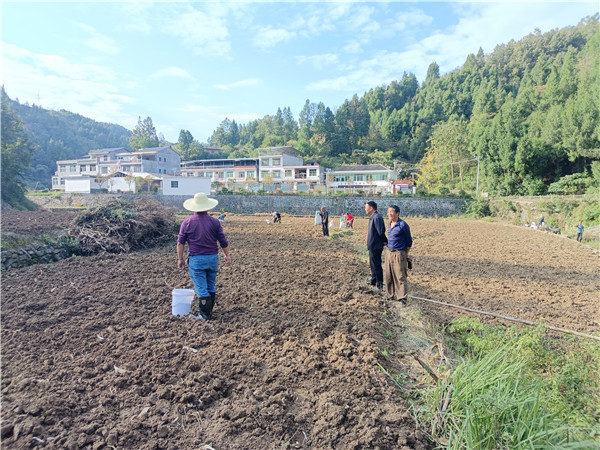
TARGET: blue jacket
(376,238)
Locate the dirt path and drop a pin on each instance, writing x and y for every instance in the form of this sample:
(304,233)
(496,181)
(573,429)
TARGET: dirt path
(93,358)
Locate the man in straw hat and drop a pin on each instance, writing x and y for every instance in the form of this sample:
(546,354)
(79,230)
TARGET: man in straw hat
(202,232)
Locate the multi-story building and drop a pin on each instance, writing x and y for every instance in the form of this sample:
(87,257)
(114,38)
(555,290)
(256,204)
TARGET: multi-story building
(159,160)
(222,170)
(116,161)
(96,162)
(372,178)
(283,167)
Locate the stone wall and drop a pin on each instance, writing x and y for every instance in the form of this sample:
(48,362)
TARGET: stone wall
(285,204)
(33,254)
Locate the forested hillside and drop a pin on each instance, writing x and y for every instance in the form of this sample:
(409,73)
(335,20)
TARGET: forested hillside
(528,110)
(63,135)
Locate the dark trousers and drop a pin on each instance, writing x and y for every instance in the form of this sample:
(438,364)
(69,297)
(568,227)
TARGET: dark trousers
(325,229)
(376,267)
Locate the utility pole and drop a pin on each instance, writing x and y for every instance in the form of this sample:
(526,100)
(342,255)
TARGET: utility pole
(477,185)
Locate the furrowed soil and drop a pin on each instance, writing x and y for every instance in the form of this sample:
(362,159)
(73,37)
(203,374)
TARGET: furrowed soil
(93,358)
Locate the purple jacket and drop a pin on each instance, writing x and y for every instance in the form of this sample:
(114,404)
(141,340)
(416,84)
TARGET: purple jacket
(202,232)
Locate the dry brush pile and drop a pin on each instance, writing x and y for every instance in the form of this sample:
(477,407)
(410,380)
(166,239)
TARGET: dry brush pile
(124,226)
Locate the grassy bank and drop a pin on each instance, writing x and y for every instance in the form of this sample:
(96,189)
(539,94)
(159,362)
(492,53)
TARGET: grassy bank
(514,388)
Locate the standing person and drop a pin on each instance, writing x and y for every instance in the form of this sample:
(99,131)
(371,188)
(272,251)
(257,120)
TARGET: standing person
(376,240)
(396,257)
(579,231)
(325,221)
(202,233)
(541,222)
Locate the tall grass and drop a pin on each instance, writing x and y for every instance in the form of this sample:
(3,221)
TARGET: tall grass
(498,397)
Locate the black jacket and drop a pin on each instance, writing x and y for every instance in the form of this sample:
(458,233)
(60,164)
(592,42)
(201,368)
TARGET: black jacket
(376,238)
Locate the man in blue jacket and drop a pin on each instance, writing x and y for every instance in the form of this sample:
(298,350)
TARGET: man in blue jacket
(376,240)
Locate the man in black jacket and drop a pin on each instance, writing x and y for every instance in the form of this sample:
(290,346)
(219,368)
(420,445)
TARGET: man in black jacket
(376,240)
(324,221)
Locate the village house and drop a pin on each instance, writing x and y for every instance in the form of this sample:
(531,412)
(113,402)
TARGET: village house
(226,171)
(371,178)
(115,169)
(282,167)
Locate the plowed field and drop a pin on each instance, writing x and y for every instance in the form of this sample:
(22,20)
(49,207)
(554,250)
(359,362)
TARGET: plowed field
(93,358)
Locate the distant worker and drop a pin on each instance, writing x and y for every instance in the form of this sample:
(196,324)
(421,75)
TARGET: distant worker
(376,240)
(325,221)
(202,233)
(349,220)
(541,222)
(397,257)
(222,217)
(277,218)
(579,231)
(341,222)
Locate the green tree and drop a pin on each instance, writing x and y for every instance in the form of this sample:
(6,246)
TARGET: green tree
(17,153)
(143,135)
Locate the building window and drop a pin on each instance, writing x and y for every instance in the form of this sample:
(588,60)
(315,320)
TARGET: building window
(92,167)
(208,174)
(83,168)
(62,181)
(229,174)
(159,170)
(63,168)
(72,168)
(105,158)
(175,184)
(54,181)
(276,161)
(264,173)
(250,174)
(220,175)
(104,170)
(312,172)
(288,173)
(242,175)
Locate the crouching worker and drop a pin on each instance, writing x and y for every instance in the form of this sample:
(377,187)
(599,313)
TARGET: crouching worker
(202,233)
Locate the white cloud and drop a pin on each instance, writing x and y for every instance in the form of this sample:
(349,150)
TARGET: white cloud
(249,82)
(412,18)
(171,72)
(352,47)
(98,41)
(270,37)
(205,34)
(53,82)
(483,25)
(319,61)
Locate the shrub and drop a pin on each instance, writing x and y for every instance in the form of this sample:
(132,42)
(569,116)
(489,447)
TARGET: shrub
(478,208)
(576,183)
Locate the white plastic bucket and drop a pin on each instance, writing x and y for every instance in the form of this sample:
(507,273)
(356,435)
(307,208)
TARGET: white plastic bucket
(182,301)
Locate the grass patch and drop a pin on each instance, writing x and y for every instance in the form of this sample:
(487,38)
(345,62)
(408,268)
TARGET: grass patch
(515,388)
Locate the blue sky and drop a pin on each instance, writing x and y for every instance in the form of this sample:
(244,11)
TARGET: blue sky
(191,65)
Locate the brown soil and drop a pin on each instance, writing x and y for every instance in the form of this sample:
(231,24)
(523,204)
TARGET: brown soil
(93,358)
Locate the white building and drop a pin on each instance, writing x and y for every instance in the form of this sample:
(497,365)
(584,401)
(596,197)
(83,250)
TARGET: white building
(284,168)
(185,185)
(103,164)
(372,178)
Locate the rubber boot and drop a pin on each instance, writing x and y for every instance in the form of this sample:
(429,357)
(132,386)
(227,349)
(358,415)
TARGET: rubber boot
(211,303)
(205,305)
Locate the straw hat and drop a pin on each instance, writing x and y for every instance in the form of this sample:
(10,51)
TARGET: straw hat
(200,202)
